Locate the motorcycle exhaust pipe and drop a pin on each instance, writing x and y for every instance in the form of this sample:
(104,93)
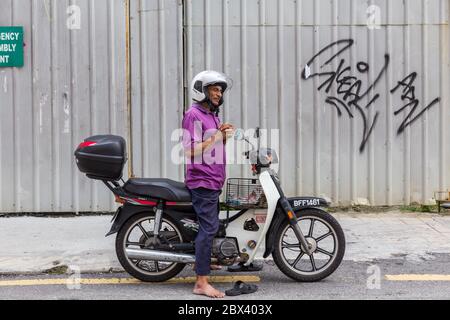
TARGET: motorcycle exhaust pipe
(156,255)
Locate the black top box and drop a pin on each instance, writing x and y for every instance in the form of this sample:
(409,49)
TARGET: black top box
(102,157)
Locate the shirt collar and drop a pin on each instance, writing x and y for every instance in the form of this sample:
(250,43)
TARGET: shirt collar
(200,107)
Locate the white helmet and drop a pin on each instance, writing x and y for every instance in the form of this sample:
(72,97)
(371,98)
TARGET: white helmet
(208,78)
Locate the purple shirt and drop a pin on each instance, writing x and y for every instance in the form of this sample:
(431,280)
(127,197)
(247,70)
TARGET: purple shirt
(208,169)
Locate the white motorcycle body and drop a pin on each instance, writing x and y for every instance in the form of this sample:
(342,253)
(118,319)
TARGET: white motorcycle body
(251,241)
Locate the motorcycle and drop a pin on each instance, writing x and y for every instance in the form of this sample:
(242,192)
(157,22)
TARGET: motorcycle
(156,224)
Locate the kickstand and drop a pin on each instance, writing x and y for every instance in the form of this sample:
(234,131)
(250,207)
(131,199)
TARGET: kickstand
(253,267)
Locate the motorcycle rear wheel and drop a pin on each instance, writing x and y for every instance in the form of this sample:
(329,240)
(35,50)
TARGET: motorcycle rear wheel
(327,238)
(139,228)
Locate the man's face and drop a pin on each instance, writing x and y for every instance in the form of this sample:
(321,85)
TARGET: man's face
(215,94)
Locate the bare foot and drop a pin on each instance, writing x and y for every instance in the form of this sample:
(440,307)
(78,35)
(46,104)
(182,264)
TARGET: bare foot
(208,290)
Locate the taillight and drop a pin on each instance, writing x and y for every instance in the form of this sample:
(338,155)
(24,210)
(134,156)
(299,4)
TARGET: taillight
(86,144)
(120,200)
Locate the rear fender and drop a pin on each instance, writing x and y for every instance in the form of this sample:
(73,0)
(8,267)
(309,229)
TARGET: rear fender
(127,211)
(123,214)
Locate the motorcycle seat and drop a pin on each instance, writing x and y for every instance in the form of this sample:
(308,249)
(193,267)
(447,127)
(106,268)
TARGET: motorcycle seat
(164,189)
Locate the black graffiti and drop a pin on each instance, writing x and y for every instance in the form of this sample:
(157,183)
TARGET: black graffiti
(409,97)
(350,91)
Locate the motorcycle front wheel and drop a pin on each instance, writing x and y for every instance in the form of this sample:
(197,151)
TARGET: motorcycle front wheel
(137,233)
(323,233)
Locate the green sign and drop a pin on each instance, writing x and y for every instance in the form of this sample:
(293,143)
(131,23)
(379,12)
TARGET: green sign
(11,47)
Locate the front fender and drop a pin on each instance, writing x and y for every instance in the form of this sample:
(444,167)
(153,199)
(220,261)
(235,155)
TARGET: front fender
(270,236)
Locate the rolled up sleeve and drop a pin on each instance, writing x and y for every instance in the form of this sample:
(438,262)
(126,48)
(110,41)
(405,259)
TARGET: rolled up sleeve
(192,132)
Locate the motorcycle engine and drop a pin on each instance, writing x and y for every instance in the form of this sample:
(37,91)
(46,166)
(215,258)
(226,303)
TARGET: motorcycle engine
(225,250)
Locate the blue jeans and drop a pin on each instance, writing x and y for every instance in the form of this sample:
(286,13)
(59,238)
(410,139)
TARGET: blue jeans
(206,205)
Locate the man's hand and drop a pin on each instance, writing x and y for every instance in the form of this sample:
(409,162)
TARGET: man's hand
(226,126)
(227,131)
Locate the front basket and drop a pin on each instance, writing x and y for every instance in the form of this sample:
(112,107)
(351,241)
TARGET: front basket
(245,194)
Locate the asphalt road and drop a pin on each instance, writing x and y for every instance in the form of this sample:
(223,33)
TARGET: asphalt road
(397,278)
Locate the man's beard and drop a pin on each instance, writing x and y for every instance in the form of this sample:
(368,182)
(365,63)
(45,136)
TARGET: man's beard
(213,108)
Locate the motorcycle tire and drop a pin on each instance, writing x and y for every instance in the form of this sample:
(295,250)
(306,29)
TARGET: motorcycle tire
(131,267)
(315,274)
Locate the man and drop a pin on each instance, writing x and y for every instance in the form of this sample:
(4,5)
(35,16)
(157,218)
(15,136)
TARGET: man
(204,142)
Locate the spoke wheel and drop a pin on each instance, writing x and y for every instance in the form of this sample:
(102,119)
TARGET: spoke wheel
(137,233)
(326,238)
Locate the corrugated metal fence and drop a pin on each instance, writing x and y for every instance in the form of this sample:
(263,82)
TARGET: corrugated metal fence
(72,86)
(341,132)
(344,81)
